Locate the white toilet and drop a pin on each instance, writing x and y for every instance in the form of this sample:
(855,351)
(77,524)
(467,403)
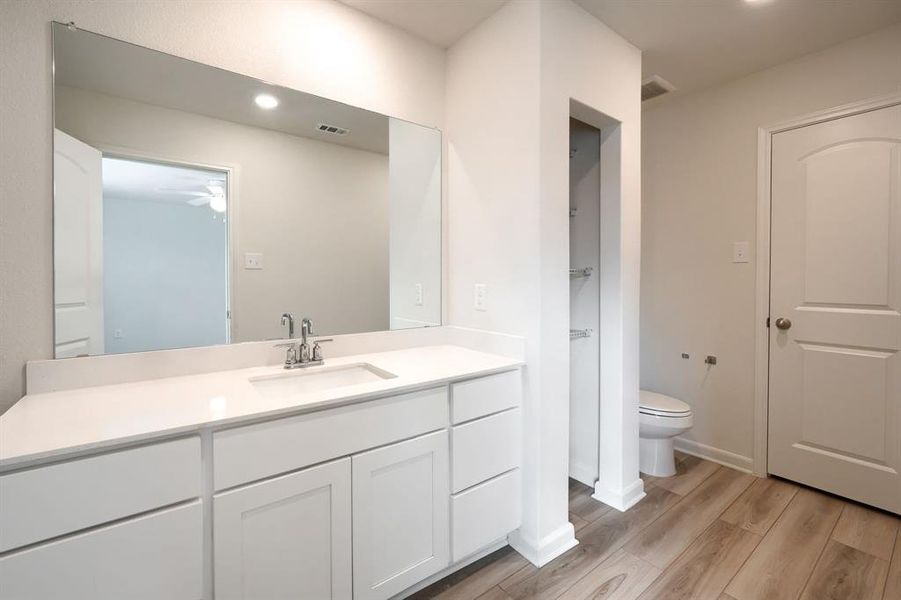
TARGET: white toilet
(660,419)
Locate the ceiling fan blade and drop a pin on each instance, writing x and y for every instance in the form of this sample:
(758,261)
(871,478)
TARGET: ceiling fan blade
(182,192)
(199,201)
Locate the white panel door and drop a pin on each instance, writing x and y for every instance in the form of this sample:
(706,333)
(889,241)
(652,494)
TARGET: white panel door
(77,246)
(835,365)
(287,538)
(401,520)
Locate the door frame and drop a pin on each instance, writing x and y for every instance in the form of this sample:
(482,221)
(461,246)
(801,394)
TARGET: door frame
(762,300)
(231,195)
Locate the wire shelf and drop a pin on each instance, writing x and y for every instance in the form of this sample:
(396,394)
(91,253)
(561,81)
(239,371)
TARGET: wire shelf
(575,334)
(584,272)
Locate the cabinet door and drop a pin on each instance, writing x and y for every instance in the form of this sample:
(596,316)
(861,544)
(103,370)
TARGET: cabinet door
(154,557)
(286,538)
(400,515)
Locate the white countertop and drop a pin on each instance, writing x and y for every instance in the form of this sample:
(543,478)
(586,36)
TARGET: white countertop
(44,426)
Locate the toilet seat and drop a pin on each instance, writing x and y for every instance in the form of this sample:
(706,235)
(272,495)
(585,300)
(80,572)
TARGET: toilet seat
(659,405)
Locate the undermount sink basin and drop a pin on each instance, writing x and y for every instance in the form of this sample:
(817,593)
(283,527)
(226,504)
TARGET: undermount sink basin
(317,379)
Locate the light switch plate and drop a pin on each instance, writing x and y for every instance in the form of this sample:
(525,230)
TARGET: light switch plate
(741,252)
(480,297)
(418,294)
(253,260)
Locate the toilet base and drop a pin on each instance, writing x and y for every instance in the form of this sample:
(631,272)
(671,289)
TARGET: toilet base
(656,457)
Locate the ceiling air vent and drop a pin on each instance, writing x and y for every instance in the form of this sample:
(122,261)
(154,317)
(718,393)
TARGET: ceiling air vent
(333,129)
(654,86)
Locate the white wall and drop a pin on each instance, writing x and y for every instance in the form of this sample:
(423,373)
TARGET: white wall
(584,60)
(509,87)
(289,197)
(164,276)
(317,46)
(699,176)
(414,199)
(493,208)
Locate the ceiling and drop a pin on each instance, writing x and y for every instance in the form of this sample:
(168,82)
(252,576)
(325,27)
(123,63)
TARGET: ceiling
(101,64)
(698,43)
(441,22)
(692,43)
(156,182)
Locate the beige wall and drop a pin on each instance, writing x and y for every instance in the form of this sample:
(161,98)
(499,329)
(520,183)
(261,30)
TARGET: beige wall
(292,195)
(317,46)
(699,180)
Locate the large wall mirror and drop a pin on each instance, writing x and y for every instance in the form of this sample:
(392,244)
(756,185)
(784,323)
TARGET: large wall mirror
(194,206)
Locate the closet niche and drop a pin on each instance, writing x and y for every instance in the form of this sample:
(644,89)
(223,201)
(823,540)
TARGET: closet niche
(584,298)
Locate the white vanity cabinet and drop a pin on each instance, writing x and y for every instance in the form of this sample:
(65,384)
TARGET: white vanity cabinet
(361,501)
(156,556)
(287,537)
(400,515)
(486,438)
(123,524)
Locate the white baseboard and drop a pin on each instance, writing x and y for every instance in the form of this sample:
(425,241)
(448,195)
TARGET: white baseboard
(546,550)
(621,500)
(723,457)
(583,473)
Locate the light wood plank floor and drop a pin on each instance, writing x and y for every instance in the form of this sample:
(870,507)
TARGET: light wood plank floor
(707,533)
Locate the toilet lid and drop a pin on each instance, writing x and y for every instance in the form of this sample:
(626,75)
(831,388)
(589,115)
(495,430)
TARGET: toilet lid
(652,403)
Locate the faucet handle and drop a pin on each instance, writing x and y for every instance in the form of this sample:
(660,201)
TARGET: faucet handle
(291,355)
(304,353)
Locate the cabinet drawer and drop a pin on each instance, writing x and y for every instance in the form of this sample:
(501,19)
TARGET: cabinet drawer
(485,513)
(485,395)
(486,447)
(156,556)
(257,451)
(45,502)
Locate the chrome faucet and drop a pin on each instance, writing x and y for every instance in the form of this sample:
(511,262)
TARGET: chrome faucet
(306,329)
(301,356)
(288,319)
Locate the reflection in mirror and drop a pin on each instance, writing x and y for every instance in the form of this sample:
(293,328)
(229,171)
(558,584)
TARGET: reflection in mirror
(194,206)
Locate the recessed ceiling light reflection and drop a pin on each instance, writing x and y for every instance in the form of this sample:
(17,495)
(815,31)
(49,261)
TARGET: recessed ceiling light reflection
(266,101)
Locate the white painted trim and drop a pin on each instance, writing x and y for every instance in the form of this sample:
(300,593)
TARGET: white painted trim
(717,455)
(621,500)
(540,553)
(762,303)
(764,164)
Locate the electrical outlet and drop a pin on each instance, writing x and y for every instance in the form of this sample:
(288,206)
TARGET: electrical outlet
(480,300)
(741,252)
(253,261)
(418,294)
